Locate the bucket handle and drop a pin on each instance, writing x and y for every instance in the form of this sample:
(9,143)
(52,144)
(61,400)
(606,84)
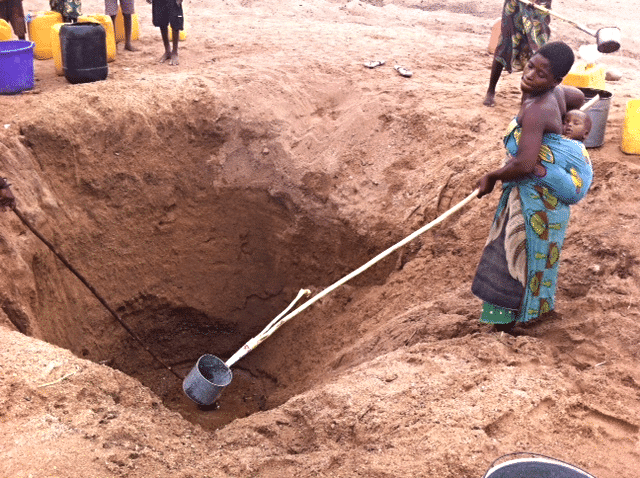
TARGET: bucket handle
(590,103)
(257,340)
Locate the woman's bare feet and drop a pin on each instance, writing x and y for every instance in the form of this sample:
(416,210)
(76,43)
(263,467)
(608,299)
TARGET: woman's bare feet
(165,57)
(489,100)
(130,47)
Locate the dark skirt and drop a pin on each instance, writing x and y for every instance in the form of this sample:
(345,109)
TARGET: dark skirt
(167,12)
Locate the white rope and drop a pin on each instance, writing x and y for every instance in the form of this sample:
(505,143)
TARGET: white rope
(275,325)
(253,343)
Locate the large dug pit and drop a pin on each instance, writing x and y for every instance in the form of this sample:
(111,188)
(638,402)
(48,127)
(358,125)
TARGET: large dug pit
(197,237)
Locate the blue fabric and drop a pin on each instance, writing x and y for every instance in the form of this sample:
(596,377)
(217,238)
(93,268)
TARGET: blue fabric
(545,206)
(546,221)
(545,211)
(567,163)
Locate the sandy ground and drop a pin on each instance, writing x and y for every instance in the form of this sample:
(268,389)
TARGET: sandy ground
(198,199)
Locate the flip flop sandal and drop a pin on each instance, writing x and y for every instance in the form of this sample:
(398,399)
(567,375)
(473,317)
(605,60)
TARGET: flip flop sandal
(403,71)
(374,64)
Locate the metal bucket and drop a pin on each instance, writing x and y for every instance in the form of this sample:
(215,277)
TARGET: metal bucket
(608,39)
(598,113)
(207,379)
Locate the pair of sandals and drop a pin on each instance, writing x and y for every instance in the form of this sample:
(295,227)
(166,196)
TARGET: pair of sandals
(402,71)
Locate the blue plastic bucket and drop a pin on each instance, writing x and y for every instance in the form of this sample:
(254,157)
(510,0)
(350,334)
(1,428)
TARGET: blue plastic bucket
(207,379)
(16,66)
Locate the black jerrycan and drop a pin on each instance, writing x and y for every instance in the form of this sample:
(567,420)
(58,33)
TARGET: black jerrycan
(84,52)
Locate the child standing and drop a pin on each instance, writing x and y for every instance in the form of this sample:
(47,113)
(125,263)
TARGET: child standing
(128,9)
(167,13)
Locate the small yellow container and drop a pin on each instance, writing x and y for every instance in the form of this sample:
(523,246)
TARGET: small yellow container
(105,21)
(56,50)
(183,34)
(39,26)
(631,128)
(586,76)
(5,30)
(119,27)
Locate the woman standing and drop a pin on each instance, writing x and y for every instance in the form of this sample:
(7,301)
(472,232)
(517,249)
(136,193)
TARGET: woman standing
(524,29)
(518,270)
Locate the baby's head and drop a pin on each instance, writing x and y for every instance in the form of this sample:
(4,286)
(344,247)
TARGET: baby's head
(576,124)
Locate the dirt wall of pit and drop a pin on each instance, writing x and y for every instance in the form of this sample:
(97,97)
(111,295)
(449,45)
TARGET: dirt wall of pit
(184,209)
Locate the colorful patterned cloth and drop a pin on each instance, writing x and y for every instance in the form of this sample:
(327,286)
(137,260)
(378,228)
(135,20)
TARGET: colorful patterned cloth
(524,29)
(518,271)
(69,9)
(566,164)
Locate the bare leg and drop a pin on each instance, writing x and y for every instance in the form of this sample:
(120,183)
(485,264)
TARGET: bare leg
(496,71)
(174,52)
(127,32)
(16,19)
(113,22)
(164,31)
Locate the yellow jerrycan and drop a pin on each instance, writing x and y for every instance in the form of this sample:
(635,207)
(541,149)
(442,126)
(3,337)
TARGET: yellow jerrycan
(5,30)
(119,27)
(183,33)
(586,75)
(56,50)
(631,128)
(39,27)
(106,22)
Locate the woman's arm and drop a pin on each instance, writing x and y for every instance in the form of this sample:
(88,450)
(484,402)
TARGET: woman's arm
(6,197)
(574,98)
(523,164)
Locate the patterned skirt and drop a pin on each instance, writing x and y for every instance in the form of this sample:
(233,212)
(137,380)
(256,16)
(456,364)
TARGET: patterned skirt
(518,271)
(523,31)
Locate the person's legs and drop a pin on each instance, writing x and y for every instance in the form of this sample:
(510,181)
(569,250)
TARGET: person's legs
(177,24)
(174,52)
(496,71)
(16,18)
(128,22)
(111,9)
(128,9)
(164,31)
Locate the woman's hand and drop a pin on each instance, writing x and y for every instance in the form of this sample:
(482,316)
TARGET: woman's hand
(6,199)
(485,185)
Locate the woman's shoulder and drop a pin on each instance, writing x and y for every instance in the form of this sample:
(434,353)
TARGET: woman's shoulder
(538,110)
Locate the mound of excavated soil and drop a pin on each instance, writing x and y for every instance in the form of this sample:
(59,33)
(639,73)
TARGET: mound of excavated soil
(199,199)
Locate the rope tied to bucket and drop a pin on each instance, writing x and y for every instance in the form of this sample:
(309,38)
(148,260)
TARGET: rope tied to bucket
(94,292)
